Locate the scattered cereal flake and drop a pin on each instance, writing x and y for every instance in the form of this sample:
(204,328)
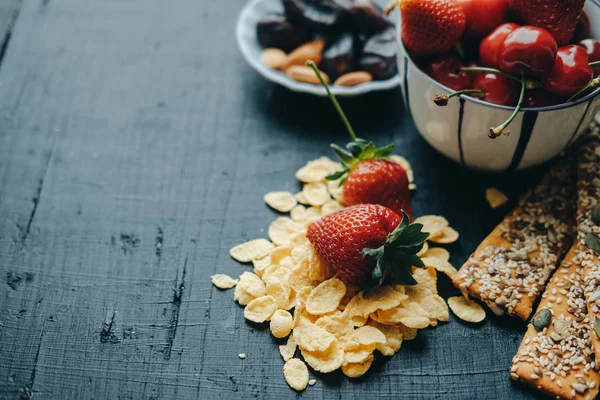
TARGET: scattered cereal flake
(295,373)
(260,309)
(369,335)
(311,215)
(318,270)
(287,350)
(412,186)
(311,382)
(424,249)
(325,298)
(297,213)
(409,313)
(252,250)
(393,338)
(438,252)
(261,265)
(252,284)
(281,201)
(407,167)
(223,281)
(325,361)
(279,292)
(433,224)
(427,278)
(242,355)
(317,170)
(436,307)
(382,298)
(299,239)
(440,265)
(358,355)
(336,190)
(279,253)
(448,236)
(495,197)
(300,198)
(340,325)
(352,370)
(282,229)
(281,323)
(330,207)
(316,194)
(299,278)
(241,296)
(310,337)
(466,309)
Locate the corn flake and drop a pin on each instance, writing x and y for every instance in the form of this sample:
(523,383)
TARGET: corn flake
(260,309)
(288,350)
(433,224)
(279,292)
(252,284)
(281,201)
(281,323)
(325,298)
(448,236)
(358,355)
(440,265)
(316,194)
(222,281)
(393,338)
(295,373)
(466,309)
(241,296)
(282,229)
(279,253)
(352,370)
(439,253)
(252,250)
(311,337)
(409,313)
(330,207)
(317,170)
(325,361)
(495,197)
(297,213)
(336,190)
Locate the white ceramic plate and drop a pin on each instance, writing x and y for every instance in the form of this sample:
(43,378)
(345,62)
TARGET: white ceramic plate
(252,12)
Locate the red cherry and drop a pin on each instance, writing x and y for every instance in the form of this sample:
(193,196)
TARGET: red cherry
(582,29)
(488,49)
(498,89)
(592,46)
(537,98)
(483,15)
(571,71)
(446,70)
(527,48)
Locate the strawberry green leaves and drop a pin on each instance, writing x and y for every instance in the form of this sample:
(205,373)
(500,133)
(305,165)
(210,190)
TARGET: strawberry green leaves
(398,255)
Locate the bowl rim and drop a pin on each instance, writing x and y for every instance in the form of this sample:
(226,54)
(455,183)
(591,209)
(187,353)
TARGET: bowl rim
(555,107)
(280,78)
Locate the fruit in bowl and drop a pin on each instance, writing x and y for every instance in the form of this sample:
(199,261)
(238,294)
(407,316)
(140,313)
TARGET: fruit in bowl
(350,40)
(526,54)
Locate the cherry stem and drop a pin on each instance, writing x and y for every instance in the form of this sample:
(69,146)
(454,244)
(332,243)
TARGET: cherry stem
(467,91)
(337,106)
(494,70)
(594,83)
(495,132)
(595,64)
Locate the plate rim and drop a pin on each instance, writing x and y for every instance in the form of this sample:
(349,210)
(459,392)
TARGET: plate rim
(283,80)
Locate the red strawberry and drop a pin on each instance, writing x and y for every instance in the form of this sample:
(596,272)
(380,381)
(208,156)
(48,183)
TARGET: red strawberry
(559,17)
(365,244)
(378,182)
(431,27)
(368,177)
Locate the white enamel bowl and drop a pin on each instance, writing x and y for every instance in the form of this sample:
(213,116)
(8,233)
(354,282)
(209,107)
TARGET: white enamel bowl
(459,130)
(252,12)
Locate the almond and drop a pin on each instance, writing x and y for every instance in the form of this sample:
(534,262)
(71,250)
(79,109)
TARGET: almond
(274,58)
(308,51)
(302,73)
(353,78)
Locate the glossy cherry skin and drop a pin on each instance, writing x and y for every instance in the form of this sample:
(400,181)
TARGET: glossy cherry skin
(527,48)
(571,71)
(592,46)
(488,49)
(498,89)
(446,70)
(483,16)
(537,98)
(583,28)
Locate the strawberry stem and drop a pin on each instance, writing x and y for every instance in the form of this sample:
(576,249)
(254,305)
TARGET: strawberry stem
(594,83)
(497,131)
(337,106)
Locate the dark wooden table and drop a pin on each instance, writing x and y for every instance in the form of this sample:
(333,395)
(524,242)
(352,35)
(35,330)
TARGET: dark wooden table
(135,148)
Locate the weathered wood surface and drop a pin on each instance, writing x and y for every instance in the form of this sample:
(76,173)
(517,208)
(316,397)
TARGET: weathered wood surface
(135,148)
